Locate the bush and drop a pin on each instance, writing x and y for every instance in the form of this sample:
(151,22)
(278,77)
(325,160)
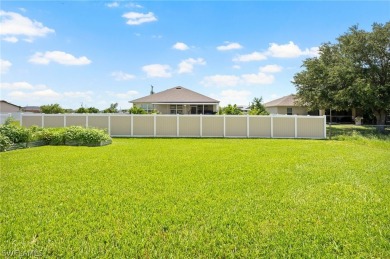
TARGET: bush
(85,136)
(5,142)
(15,133)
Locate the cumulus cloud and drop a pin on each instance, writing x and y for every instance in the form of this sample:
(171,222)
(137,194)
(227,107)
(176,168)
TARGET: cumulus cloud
(258,79)
(15,25)
(221,80)
(86,95)
(4,66)
(112,4)
(127,95)
(271,69)
(21,86)
(187,65)
(255,56)
(289,50)
(229,46)
(35,95)
(240,97)
(134,18)
(122,76)
(59,57)
(157,70)
(180,46)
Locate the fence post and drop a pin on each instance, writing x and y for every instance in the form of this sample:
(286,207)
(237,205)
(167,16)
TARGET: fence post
(86,121)
(132,125)
(177,125)
(272,125)
(21,119)
(324,126)
(109,124)
(247,125)
(296,126)
(64,120)
(201,125)
(43,120)
(154,125)
(224,125)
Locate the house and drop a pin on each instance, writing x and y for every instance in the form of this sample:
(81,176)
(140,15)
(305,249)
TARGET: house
(33,109)
(6,107)
(177,100)
(286,105)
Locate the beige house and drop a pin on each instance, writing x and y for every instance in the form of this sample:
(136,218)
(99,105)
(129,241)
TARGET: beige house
(6,107)
(285,105)
(177,100)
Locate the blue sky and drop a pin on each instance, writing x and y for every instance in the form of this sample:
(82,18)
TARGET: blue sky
(94,53)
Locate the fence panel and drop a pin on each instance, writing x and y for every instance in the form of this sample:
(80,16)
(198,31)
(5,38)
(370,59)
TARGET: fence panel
(260,127)
(278,126)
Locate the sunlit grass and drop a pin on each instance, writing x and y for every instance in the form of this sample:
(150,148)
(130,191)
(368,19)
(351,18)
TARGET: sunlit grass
(198,198)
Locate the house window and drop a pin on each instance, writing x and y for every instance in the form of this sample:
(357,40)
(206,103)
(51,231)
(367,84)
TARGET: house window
(176,109)
(289,111)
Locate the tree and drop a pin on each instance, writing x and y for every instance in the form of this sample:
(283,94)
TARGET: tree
(52,109)
(112,109)
(137,110)
(354,72)
(82,110)
(231,110)
(257,108)
(93,110)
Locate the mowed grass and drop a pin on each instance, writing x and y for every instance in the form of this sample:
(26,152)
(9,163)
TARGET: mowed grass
(198,198)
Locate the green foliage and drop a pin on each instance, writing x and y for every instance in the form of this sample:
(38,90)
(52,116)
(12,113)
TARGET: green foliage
(137,110)
(52,109)
(15,133)
(257,108)
(93,110)
(112,109)
(352,73)
(82,110)
(5,142)
(85,136)
(198,198)
(87,110)
(231,110)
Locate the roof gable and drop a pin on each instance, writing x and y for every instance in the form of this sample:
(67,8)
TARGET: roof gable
(3,101)
(284,101)
(176,94)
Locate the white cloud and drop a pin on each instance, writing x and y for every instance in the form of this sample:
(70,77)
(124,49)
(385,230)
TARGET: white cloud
(47,94)
(157,70)
(14,24)
(290,50)
(271,69)
(226,97)
(135,18)
(87,95)
(4,66)
(127,95)
(21,86)
(10,39)
(112,5)
(180,46)
(133,5)
(221,80)
(236,67)
(122,76)
(58,57)
(229,46)
(258,79)
(186,66)
(255,56)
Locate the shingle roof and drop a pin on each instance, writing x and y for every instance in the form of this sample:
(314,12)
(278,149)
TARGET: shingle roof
(176,94)
(288,100)
(3,101)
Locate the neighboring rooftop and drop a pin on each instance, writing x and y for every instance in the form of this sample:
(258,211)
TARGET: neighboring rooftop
(176,94)
(284,101)
(10,103)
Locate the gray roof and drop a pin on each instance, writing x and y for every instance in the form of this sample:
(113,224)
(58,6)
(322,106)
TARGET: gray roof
(3,101)
(176,94)
(284,101)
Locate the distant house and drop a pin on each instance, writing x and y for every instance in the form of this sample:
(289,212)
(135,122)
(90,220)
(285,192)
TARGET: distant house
(286,105)
(6,107)
(34,109)
(177,100)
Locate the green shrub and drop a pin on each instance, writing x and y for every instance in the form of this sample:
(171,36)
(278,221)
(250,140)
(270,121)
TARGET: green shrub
(15,133)
(5,142)
(85,136)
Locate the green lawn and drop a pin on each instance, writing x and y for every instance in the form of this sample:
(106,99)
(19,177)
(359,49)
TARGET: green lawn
(198,198)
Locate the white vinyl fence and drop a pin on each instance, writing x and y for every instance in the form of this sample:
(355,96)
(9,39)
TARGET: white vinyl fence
(229,126)
(5,116)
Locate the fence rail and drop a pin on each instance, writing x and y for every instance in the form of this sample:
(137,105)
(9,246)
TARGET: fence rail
(229,126)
